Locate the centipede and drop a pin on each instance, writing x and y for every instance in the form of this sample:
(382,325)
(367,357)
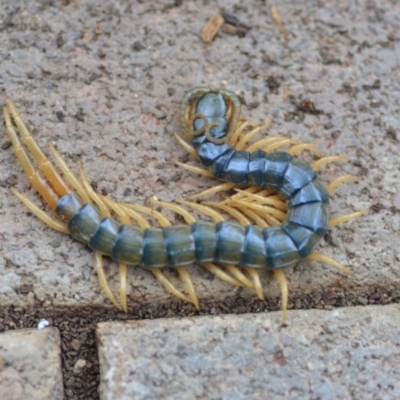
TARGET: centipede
(276,217)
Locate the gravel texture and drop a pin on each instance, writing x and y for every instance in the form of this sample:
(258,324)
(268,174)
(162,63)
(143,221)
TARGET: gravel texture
(346,353)
(30,365)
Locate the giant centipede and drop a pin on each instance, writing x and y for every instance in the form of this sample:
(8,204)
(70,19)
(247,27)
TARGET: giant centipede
(281,207)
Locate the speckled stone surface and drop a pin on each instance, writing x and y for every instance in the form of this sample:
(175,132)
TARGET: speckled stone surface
(30,365)
(345,353)
(103,82)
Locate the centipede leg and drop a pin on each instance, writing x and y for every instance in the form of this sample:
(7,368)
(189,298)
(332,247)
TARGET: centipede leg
(49,194)
(320,257)
(42,215)
(304,146)
(223,187)
(281,278)
(317,165)
(44,164)
(338,181)
(256,282)
(348,217)
(99,266)
(190,149)
(190,219)
(240,142)
(196,170)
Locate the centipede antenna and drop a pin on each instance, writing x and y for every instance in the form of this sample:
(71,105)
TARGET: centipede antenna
(223,187)
(344,218)
(338,181)
(196,170)
(34,177)
(42,215)
(304,146)
(281,278)
(320,257)
(99,268)
(70,176)
(317,165)
(44,164)
(190,149)
(256,282)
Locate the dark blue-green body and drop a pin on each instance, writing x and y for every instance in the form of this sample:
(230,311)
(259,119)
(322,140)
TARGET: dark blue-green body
(224,242)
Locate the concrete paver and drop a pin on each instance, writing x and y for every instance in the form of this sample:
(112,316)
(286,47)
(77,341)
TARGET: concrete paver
(103,81)
(30,365)
(345,353)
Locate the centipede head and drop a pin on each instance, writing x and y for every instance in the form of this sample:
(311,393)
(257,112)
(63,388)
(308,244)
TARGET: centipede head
(222,104)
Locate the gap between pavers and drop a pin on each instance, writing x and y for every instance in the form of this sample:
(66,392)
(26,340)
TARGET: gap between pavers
(344,353)
(30,365)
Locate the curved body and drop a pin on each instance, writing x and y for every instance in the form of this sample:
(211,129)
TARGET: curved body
(212,117)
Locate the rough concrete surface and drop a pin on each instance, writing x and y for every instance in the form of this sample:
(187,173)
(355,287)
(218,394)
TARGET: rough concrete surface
(30,365)
(340,354)
(103,82)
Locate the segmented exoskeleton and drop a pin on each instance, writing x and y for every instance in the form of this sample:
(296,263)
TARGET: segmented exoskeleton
(212,118)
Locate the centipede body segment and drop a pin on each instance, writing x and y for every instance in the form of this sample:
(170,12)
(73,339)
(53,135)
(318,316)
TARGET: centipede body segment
(280,217)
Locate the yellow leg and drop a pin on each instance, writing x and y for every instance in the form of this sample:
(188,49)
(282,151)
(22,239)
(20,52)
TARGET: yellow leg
(316,256)
(274,146)
(274,200)
(196,170)
(221,274)
(317,165)
(169,286)
(70,176)
(44,164)
(184,275)
(189,219)
(99,268)
(249,135)
(34,176)
(304,146)
(281,278)
(223,187)
(261,209)
(43,216)
(264,142)
(256,282)
(338,181)
(190,149)
(344,218)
